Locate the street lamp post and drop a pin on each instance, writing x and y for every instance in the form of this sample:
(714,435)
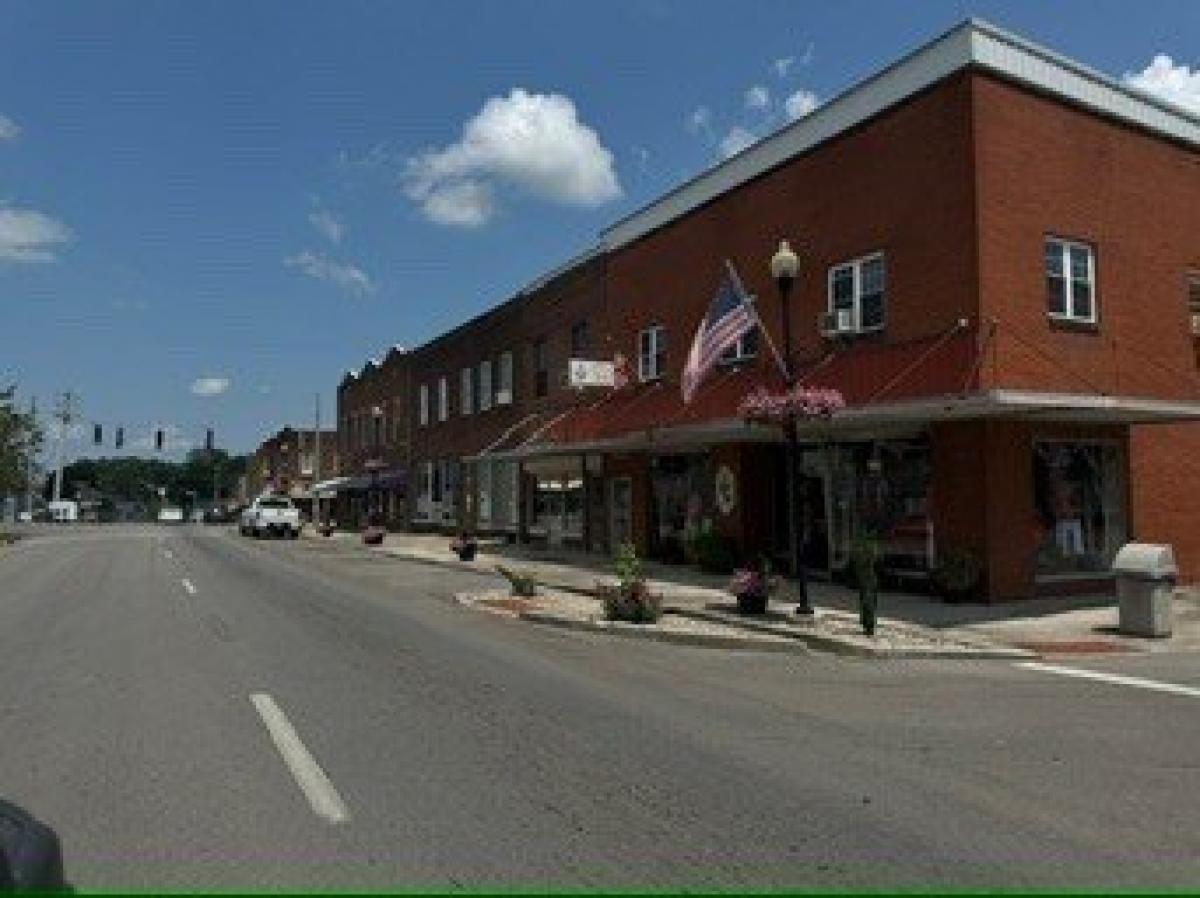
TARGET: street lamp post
(784,265)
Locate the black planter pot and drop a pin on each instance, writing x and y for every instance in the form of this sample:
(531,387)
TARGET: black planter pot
(752,603)
(373,536)
(467,552)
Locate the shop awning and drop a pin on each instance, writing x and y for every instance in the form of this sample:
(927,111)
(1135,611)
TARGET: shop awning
(867,420)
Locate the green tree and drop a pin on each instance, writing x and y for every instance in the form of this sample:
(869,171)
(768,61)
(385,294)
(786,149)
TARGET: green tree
(20,440)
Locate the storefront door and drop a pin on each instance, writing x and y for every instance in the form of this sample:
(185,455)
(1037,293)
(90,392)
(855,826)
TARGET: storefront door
(620,512)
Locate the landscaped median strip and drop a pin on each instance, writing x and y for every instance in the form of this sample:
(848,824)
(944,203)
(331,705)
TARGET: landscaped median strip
(716,628)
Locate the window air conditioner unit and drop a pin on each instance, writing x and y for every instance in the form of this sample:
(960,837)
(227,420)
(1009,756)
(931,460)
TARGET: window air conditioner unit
(837,323)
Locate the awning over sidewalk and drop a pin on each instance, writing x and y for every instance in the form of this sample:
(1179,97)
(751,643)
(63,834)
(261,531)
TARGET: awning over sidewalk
(595,428)
(391,479)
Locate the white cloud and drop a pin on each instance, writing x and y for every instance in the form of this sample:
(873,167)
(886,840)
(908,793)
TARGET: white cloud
(30,236)
(328,225)
(735,141)
(322,268)
(783,66)
(210,386)
(532,141)
(9,130)
(1176,84)
(800,104)
(464,204)
(758,97)
(700,121)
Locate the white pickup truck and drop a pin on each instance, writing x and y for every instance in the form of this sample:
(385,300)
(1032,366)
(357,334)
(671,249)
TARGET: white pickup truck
(270,516)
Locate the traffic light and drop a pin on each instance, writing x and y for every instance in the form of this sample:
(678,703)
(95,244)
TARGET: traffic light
(208,440)
(97,434)
(158,439)
(120,440)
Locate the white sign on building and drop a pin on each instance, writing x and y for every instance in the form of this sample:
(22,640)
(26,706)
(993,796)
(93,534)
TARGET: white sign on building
(590,373)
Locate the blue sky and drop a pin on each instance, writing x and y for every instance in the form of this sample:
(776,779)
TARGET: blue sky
(246,198)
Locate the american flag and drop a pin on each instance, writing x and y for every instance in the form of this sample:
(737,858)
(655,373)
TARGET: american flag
(730,317)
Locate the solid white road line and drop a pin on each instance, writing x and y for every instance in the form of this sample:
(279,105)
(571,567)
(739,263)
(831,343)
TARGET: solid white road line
(311,779)
(187,584)
(1116,679)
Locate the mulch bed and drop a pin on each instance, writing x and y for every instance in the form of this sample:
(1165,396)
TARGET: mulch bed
(1076,647)
(515,605)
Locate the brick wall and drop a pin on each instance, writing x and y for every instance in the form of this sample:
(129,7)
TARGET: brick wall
(1044,167)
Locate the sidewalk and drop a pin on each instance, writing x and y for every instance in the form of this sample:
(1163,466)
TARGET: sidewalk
(1068,625)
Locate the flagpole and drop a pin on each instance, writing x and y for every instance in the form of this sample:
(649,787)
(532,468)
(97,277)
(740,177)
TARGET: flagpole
(750,301)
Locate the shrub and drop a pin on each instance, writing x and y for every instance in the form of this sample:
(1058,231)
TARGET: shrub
(713,553)
(629,599)
(520,583)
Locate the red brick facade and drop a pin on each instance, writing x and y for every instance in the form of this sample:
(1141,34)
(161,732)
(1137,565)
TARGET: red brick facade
(958,187)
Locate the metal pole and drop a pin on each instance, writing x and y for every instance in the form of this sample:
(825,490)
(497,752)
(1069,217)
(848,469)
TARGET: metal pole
(64,414)
(803,606)
(29,459)
(316,500)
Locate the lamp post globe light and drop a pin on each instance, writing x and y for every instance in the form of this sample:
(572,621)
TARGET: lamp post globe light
(784,266)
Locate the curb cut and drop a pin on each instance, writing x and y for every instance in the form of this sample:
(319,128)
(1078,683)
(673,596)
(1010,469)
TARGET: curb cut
(640,631)
(834,645)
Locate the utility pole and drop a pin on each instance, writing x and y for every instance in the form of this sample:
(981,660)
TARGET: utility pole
(65,413)
(29,459)
(316,476)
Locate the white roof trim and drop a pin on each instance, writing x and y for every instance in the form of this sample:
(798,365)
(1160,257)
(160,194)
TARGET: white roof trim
(973,42)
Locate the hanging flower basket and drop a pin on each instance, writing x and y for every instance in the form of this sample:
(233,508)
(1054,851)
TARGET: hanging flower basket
(800,401)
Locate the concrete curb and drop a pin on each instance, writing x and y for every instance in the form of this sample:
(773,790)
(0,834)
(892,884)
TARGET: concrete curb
(835,645)
(643,631)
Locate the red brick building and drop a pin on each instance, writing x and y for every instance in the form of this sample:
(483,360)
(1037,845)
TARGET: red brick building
(285,464)
(373,439)
(1000,271)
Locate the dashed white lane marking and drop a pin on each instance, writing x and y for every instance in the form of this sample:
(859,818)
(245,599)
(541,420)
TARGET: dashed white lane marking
(167,553)
(316,786)
(1115,679)
(187,584)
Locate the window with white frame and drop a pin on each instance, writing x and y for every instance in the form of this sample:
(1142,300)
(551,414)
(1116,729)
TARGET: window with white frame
(423,404)
(483,483)
(743,350)
(443,399)
(466,393)
(504,390)
(652,352)
(485,385)
(1070,280)
(857,293)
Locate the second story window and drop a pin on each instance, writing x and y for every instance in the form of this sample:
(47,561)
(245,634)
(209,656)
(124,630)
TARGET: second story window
(541,372)
(504,389)
(466,401)
(423,405)
(580,340)
(1070,280)
(857,295)
(652,352)
(744,349)
(485,385)
(377,427)
(443,399)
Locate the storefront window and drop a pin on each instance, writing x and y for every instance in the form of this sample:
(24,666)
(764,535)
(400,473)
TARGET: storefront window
(683,497)
(557,498)
(1079,494)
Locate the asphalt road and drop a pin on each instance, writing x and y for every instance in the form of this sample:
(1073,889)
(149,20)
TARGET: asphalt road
(192,709)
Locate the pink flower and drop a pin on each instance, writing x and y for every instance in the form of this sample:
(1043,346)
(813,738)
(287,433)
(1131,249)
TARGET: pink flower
(804,402)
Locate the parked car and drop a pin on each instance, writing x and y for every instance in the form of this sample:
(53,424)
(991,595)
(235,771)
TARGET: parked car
(169,514)
(271,516)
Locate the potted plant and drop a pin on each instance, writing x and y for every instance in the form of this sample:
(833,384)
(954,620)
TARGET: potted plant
(630,598)
(464,547)
(373,533)
(753,587)
(866,553)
